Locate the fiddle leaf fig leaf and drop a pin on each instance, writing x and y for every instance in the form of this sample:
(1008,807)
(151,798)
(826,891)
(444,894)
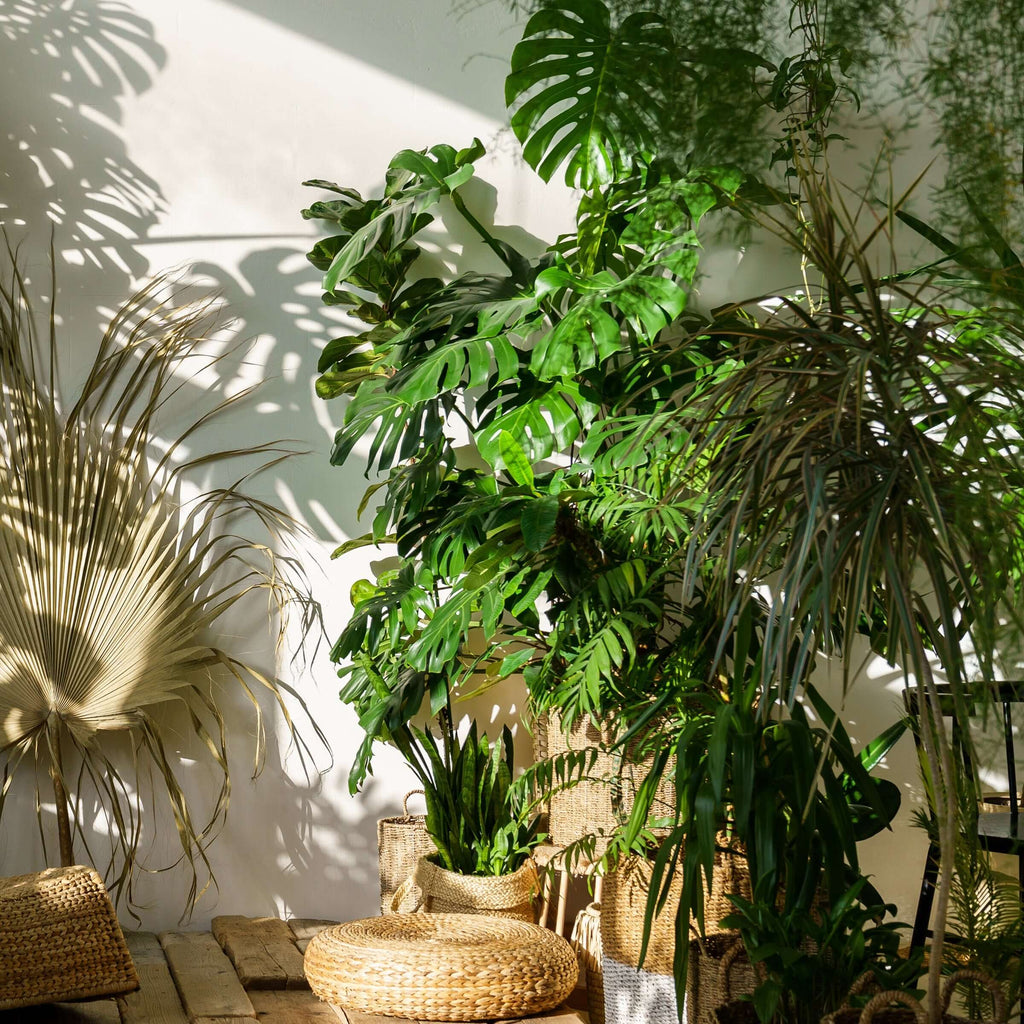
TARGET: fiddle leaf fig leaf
(594,101)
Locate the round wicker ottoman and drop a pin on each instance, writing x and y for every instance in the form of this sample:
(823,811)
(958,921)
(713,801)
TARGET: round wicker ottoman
(441,967)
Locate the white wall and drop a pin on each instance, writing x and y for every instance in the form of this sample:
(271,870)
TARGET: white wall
(152,134)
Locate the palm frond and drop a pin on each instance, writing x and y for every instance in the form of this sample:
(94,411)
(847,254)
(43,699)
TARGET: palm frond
(112,585)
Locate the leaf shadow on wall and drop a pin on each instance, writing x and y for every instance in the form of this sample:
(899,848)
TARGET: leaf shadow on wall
(65,67)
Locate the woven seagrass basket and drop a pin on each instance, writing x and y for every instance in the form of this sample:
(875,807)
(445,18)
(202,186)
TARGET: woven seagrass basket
(586,940)
(718,972)
(401,842)
(602,801)
(60,940)
(882,1008)
(636,993)
(447,892)
(450,967)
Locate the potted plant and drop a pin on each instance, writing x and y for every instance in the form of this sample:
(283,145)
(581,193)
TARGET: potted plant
(840,468)
(826,465)
(546,551)
(484,832)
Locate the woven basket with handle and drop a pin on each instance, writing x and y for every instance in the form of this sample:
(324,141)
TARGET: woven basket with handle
(900,1008)
(400,844)
(447,892)
(718,972)
(602,801)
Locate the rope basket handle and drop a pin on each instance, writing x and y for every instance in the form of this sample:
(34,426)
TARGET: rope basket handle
(728,959)
(405,801)
(402,892)
(998,998)
(861,985)
(885,999)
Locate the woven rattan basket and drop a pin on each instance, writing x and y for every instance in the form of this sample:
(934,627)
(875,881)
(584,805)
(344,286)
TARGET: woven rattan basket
(624,904)
(450,967)
(447,892)
(718,971)
(883,1009)
(586,940)
(598,804)
(60,940)
(400,844)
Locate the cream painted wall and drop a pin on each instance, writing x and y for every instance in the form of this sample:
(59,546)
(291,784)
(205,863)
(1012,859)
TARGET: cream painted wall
(153,134)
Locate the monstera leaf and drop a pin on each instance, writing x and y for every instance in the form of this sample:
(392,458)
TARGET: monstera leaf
(595,100)
(415,183)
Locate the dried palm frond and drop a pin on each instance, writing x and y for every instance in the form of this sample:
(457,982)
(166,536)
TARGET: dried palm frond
(112,585)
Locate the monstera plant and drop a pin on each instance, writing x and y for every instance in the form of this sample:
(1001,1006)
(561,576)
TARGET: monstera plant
(113,578)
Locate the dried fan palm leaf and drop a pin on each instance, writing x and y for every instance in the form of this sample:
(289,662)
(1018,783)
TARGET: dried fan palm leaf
(112,586)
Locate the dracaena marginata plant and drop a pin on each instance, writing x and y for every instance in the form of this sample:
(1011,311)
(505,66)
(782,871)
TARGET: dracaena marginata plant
(114,583)
(858,468)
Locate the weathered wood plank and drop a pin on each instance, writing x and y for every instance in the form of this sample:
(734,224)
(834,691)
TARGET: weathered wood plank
(157,1000)
(100,1011)
(304,928)
(206,981)
(561,1015)
(293,1007)
(263,951)
(222,1020)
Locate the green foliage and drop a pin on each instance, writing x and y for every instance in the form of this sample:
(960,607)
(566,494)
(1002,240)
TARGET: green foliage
(531,360)
(793,793)
(479,823)
(600,103)
(840,942)
(676,516)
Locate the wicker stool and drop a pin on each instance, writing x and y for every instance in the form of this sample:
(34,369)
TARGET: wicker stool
(60,940)
(451,967)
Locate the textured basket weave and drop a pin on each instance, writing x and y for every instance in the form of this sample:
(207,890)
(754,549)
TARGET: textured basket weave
(624,905)
(60,940)
(400,844)
(598,804)
(447,892)
(880,1008)
(718,971)
(450,967)
(586,940)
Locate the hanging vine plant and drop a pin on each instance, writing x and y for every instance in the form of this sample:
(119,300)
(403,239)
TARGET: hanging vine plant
(112,585)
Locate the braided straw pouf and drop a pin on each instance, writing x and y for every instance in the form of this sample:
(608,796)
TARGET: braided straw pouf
(450,967)
(60,940)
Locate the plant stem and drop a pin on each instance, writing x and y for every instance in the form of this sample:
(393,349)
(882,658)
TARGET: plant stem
(489,240)
(60,796)
(937,750)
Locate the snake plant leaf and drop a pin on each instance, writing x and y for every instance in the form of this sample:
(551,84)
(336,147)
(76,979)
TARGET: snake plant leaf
(111,588)
(593,99)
